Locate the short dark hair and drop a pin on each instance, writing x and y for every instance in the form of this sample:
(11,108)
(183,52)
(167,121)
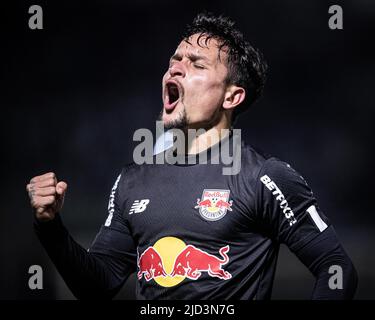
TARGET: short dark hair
(246,65)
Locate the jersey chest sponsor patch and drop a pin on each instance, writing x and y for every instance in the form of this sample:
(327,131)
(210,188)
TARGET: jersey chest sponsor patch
(170,260)
(214,204)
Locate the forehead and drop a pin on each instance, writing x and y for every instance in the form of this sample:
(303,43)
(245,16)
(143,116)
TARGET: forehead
(200,44)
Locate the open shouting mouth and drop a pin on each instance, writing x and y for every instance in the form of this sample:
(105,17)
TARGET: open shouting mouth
(172,94)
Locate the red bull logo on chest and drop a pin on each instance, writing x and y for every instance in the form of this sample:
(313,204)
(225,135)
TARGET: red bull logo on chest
(214,204)
(169,261)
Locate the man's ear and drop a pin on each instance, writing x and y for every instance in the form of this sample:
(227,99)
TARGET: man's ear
(233,97)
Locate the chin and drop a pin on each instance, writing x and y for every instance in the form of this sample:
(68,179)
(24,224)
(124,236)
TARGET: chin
(175,119)
(167,118)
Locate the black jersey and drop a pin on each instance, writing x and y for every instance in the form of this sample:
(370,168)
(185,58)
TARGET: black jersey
(191,232)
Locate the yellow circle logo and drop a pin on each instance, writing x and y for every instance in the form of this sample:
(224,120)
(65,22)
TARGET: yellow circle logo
(169,248)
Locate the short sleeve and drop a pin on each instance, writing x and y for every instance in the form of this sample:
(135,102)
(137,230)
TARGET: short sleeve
(286,205)
(114,238)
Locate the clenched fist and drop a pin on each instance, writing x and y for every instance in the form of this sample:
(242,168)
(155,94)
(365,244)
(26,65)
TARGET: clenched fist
(46,195)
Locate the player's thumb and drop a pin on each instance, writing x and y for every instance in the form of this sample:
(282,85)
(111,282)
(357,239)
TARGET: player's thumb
(61,188)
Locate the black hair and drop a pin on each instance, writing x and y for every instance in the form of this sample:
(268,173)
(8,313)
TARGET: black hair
(246,65)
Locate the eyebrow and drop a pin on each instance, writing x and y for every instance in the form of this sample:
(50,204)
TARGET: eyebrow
(191,56)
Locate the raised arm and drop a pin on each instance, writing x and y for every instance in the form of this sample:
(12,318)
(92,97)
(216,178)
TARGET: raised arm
(95,273)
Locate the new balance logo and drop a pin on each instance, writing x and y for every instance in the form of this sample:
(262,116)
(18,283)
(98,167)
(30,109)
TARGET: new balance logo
(139,206)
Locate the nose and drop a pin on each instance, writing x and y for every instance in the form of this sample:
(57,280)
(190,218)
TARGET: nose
(177,70)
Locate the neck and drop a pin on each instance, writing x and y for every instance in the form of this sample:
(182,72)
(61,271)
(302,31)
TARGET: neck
(201,141)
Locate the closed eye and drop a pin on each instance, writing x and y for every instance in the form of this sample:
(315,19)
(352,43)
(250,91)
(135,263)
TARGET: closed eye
(199,66)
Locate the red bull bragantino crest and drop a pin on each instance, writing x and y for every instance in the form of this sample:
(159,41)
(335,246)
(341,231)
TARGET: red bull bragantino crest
(170,260)
(214,204)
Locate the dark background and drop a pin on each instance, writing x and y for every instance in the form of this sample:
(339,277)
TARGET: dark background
(74,93)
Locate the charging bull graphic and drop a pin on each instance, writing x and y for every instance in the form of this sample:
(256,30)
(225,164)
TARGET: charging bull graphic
(191,262)
(170,260)
(203,204)
(150,265)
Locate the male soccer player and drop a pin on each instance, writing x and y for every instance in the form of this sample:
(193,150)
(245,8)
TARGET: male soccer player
(188,230)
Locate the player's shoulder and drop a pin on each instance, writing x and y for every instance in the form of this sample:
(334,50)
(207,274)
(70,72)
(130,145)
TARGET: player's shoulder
(129,170)
(257,162)
(129,167)
(253,155)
